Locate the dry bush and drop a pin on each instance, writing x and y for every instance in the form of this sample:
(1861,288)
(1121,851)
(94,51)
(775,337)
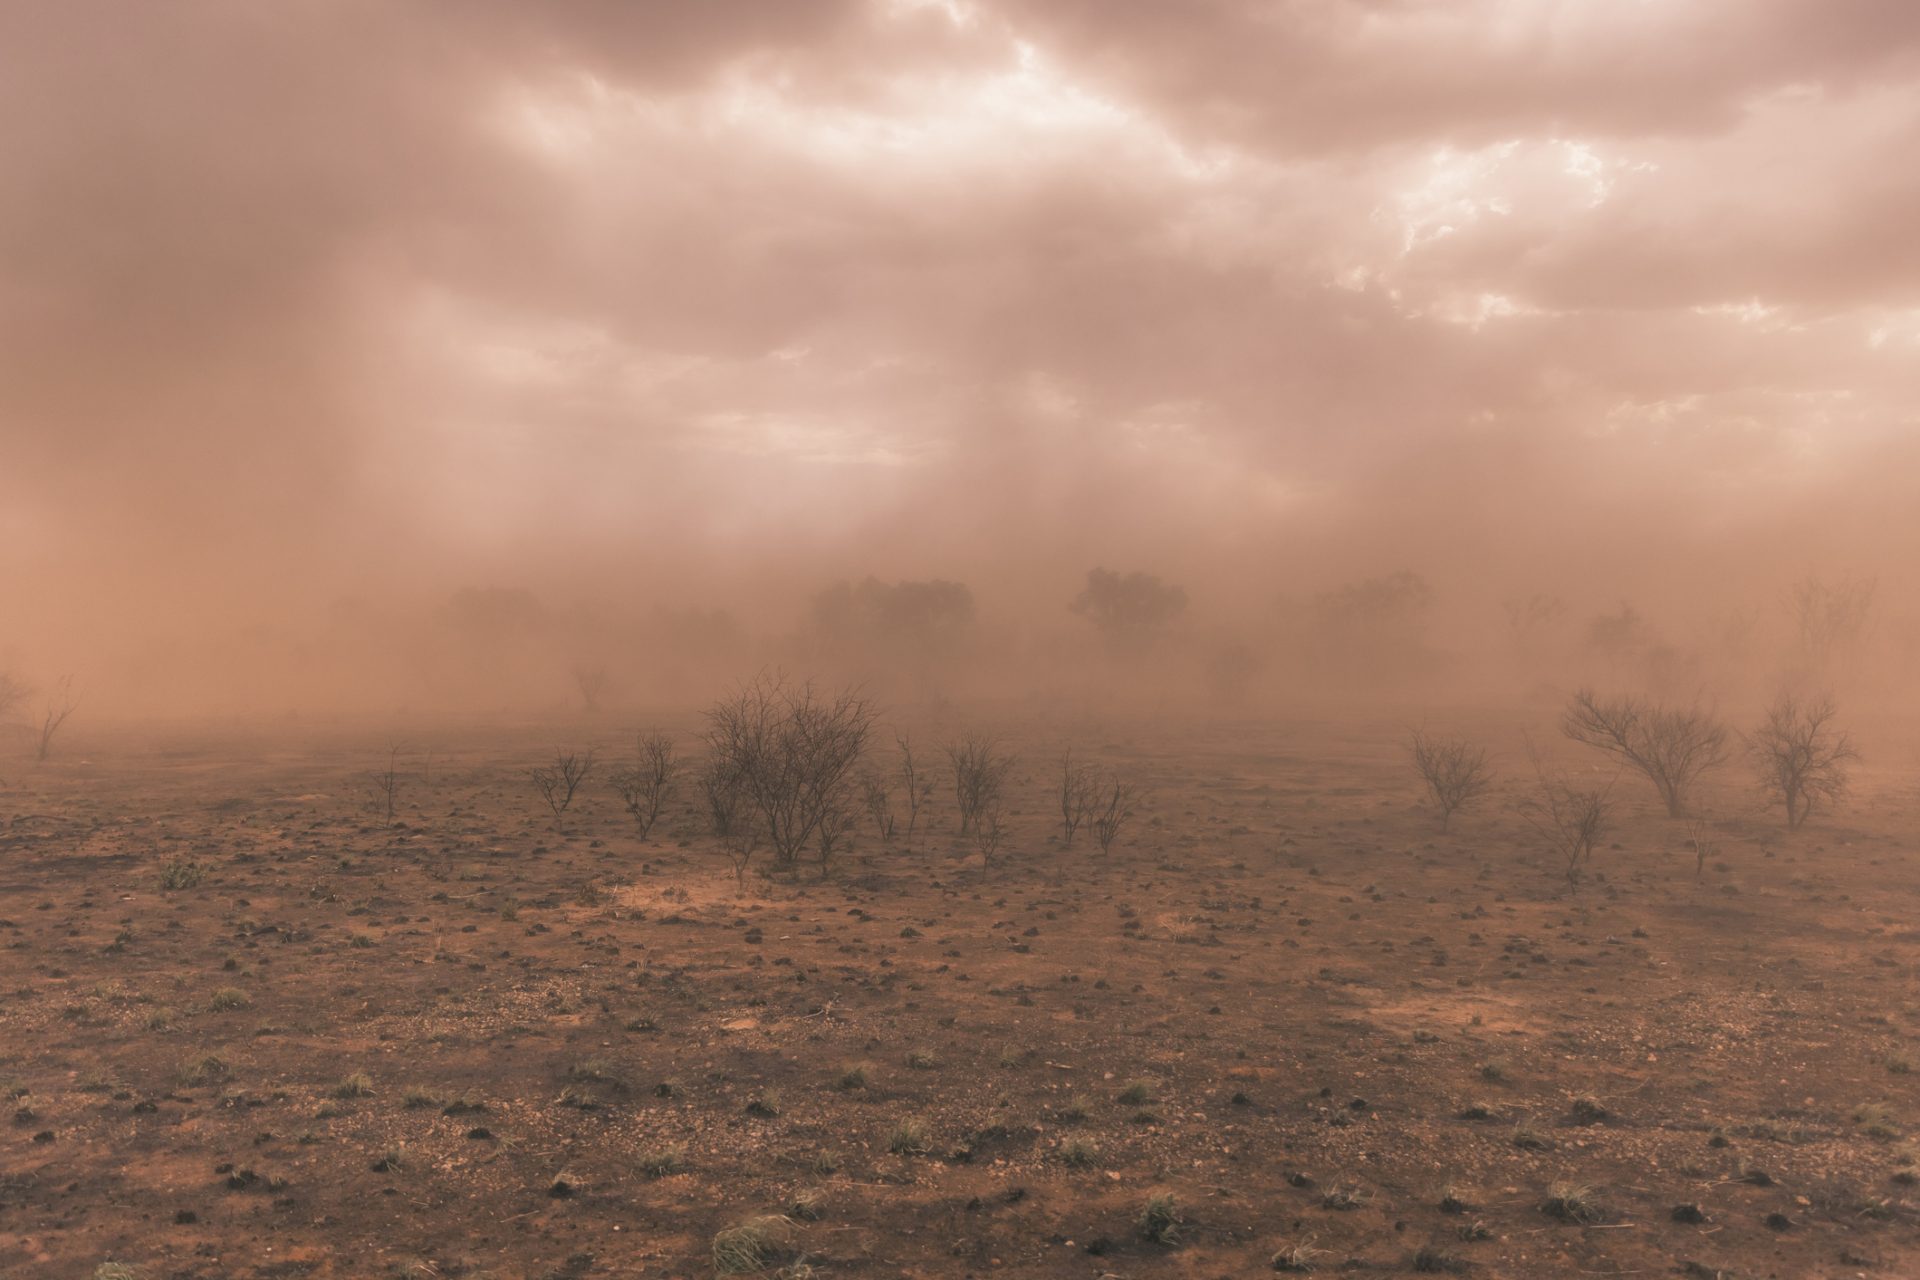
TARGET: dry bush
(1800,757)
(1456,771)
(1700,836)
(794,752)
(60,705)
(1572,818)
(1116,802)
(1079,794)
(989,830)
(386,782)
(915,784)
(591,681)
(980,772)
(876,793)
(644,788)
(1672,747)
(559,781)
(12,694)
(730,812)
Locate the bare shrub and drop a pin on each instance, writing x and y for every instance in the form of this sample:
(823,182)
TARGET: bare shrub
(730,813)
(876,793)
(1117,798)
(1671,746)
(1456,771)
(1700,837)
(837,819)
(1079,793)
(989,830)
(644,788)
(386,782)
(1572,818)
(60,705)
(1829,618)
(915,784)
(12,694)
(980,771)
(591,682)
(558,782)
(794,752)
(1800,757)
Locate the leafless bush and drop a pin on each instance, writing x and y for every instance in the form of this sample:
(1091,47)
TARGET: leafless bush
(60,705)
(915,785)
(1079,794)
(980,771)
(1573,819)
(558,782)
(1700,836)
(644,788)
(1456,771)
(12,694)
(1800,757)
(837,819)
(591,681)
(730,811)
(1672,747)
(877,794)
(794,752)
(989,830)
(1829,618)
(1114,812)
(386,782)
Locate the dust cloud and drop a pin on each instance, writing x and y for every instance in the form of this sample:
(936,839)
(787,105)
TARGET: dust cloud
(476,357)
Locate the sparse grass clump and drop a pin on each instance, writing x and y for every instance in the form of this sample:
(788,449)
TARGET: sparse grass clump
(909,1138)
(228,998)
(1572,1202)
(1159,1221)
(1528,1138)
(208,1069)
(181,873)
(922,1060)
(853,1077)
(662,1162)
(1137,1093)
(357,1085)
(752,1245)
(1298,1256)
(1876,1121)
(1079,1153)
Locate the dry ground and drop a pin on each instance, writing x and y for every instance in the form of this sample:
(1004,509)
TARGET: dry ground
(248,1030)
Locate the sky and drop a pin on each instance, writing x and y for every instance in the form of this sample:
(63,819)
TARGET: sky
(714,302)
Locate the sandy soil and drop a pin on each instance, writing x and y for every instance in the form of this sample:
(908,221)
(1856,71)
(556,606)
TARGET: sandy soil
(481,1043)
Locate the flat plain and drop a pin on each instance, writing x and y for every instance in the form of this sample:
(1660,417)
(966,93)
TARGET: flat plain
(249,1028)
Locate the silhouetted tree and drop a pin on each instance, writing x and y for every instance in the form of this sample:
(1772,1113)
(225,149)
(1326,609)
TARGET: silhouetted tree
(1128,608)
(1673,747)
(1802,760)
(794,753)
(1455,771)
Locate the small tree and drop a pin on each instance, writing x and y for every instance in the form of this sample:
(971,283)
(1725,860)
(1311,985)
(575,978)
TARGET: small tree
(558,782)
(1455,771)
(730,812)
(794,752)
(980,770)
(915,784)
(877,794)
(644,788)
(12,694)
(1801,759)
(386,782)
(1672,747)
(988,830)
(837,819)
(1572,819)
(60,705)
(1114,812)
(1079,793)
(591,681)
(1128,608)
(1700,836)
